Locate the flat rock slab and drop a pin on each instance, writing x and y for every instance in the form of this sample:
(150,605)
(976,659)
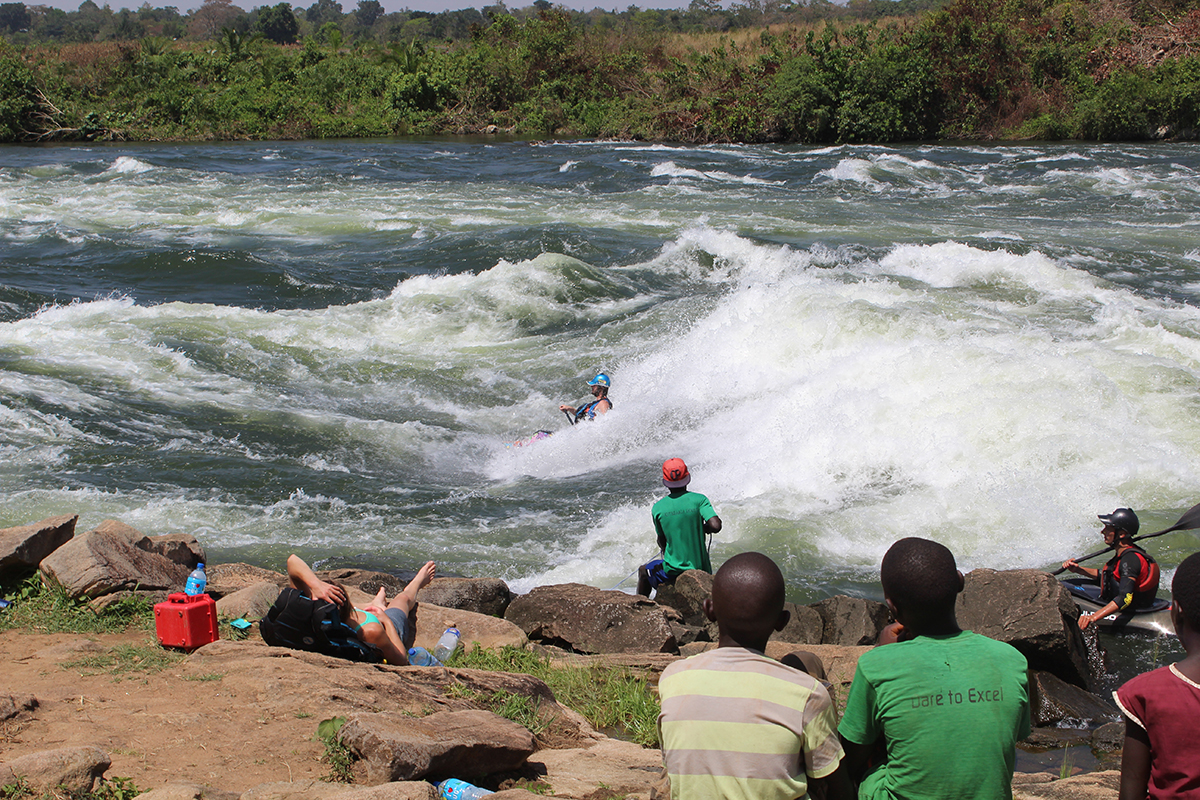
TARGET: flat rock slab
(187,791)
(1089,786)
(297,790)
(398,790)
(476,630)
(624,767)
(465,744)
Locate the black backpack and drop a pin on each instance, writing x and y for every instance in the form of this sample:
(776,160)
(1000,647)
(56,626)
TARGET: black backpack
(301,623)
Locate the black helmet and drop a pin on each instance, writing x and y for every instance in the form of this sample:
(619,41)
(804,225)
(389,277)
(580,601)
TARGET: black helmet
(1123,519)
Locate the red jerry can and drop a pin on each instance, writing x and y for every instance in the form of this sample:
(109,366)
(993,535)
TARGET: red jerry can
(186,621)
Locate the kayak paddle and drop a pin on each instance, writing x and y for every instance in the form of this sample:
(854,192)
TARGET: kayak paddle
(1189,521)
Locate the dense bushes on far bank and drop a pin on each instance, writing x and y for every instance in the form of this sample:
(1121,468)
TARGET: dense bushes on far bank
(993,69)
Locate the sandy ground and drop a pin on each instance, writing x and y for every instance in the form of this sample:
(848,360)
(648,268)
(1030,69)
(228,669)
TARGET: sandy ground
(178,723)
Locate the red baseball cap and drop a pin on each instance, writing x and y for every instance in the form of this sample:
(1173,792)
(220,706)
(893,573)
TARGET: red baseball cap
(675,473)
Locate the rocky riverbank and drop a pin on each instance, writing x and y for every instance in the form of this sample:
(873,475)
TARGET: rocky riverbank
(237,718)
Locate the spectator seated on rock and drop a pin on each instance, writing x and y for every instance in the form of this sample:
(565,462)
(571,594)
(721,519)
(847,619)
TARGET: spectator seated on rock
(388,627)
(1161,757)
(736,724)
(936,711)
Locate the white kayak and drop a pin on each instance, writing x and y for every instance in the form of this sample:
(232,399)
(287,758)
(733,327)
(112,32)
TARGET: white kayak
(1155,619)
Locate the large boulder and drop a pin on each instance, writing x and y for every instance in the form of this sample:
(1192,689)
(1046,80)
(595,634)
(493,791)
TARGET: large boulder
(251,603)
(591,620)
(1053,701)
(115,557)
(465,744)
(805,626)
(1030,610)
(365,580)
(687,595)
(227,579)
(489,596)
(24,547)
(74,768)
(852,621)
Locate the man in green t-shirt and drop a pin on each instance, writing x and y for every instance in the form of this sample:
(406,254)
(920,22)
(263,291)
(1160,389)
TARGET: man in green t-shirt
(949,705)
(680,521)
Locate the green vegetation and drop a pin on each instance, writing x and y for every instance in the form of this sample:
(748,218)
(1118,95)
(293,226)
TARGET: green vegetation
(124,659)
(337,755)
(1046,69)
(49,610)
(609,698)
(107,789)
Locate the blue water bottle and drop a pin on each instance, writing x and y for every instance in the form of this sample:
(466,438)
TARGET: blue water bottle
(420,657)
(454,789)
(196,581)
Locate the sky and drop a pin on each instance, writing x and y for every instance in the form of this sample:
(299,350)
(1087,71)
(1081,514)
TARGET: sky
(388,5)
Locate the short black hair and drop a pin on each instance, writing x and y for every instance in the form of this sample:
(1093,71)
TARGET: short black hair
(1185,590)
(748,593)
(919,573)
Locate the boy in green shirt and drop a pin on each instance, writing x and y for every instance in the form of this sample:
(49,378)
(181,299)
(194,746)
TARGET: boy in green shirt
(948,705)
(680,521)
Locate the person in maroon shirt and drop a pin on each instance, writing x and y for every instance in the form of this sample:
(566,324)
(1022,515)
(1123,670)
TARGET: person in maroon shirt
(1162,751)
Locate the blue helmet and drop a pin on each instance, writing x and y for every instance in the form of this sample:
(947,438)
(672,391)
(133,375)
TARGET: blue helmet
(600,380)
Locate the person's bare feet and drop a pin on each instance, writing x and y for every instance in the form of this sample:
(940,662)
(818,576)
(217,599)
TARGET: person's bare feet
(380,599)
(424,575)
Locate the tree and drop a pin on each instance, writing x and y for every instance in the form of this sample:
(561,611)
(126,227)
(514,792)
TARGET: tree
(207,21)
(324,11)
(14,17)
(278,23)
(368,11)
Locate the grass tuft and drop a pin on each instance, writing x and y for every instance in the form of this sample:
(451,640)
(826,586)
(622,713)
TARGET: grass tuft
(48,609)
(609,698)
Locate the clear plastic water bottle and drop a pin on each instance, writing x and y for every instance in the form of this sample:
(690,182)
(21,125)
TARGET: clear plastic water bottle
(447,645)
(196,581)
(454,789)
(420,657)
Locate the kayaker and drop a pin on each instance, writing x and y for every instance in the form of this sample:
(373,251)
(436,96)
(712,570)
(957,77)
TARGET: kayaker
(1130,578)
(600,405)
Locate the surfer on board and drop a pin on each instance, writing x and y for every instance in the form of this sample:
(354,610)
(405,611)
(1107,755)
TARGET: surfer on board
(680,520)
(600,405)
(1130,578)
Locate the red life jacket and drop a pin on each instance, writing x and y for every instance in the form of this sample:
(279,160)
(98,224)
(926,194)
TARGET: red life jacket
(1147,576)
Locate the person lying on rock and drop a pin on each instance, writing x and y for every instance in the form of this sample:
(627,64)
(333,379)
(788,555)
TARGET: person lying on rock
(947,705)
(1130,578)
(391,627)
(1161,757)
(736,724)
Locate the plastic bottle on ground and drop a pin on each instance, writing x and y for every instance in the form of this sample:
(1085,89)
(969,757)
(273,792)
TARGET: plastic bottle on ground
(447,645)
(420,657)
(196,581)
(454,789)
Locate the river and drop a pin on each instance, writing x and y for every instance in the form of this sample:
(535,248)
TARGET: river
(325,347)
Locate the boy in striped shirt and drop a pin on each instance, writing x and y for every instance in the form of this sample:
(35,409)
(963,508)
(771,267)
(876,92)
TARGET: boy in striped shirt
(736,725)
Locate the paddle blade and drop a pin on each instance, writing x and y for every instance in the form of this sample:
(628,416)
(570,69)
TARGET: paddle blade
(1189,521)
